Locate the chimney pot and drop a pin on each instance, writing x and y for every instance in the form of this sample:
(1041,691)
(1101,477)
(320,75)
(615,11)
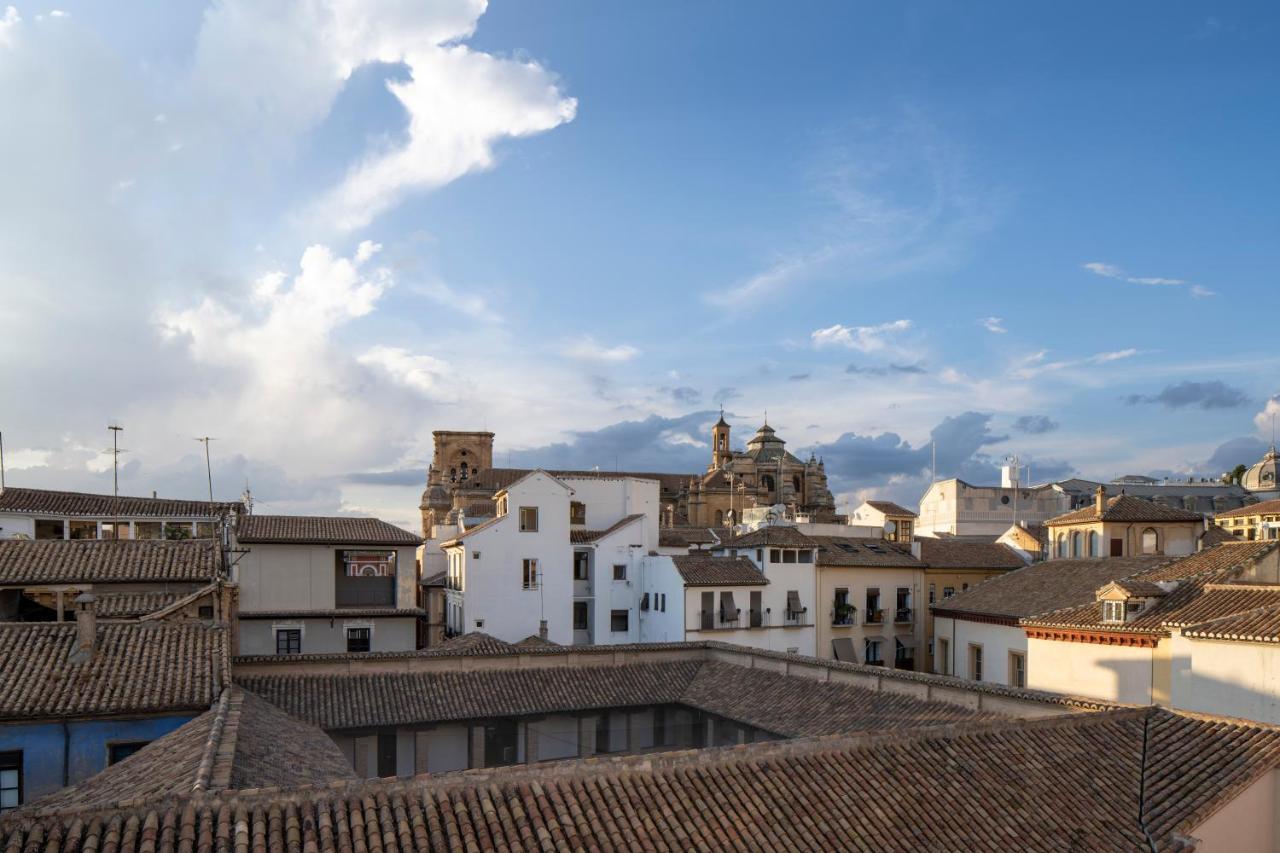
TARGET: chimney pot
(1100,501)
(542,629)
(86,624)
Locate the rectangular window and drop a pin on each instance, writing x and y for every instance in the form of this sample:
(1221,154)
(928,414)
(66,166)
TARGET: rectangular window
(82,529)
(528,519)
(944,657)
(1017,669)
(358,639)
(48,528)
(288,641)
(775,555)
(872,653)
(874,616)
(577,512)
(933,593)
(205,611)
(581,572)
(10,780)
(529,573)
(147,530)
(619,572)
(788,556)
(806,556)
(111,530)
(948,591)
(975,662)
(664,602)
(580,616)
(619,621)
(117,752)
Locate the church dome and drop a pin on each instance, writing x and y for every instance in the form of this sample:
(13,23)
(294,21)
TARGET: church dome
(1263,476)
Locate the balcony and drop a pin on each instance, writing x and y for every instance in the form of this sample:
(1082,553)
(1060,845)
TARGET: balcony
(729,618)
(874,616)
(795,618)
(364,592)
(902,616)
(843,615)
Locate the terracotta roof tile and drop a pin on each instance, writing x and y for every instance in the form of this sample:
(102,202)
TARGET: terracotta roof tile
(242,742)
(855,551)
(1126,508)
(55,503)
(683,537)
(1033,785)
(1042,587)
(136,667)
(581,536)
(956,554)
(49,561)
(1251,626)
(773,534)
(704,570)
(335,530)
(1262,508)
(1225,556)
(890,508)
(127,605)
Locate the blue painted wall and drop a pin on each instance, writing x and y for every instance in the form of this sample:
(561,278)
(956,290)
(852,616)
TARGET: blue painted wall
(42,747)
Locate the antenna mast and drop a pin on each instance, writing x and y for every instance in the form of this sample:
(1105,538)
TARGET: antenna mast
(934,444)
(116,429)
(208,468)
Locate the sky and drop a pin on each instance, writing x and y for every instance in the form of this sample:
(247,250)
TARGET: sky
(318,231)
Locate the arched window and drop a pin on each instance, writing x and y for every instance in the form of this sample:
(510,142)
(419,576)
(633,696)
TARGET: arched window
(453,475)
(766,482)
(1150,541)
(795,483)
(464,471)
(1062,544)
(719,518)
(1075,545)
(1095,544)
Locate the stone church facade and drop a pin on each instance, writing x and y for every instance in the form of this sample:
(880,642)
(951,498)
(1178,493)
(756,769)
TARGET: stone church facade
(462,481)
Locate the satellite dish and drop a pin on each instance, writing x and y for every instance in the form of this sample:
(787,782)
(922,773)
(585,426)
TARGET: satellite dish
(890,526)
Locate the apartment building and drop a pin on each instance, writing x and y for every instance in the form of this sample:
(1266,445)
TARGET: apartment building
(1124,526)
(1258,521)
(561,559)
(868,590)
(325,584)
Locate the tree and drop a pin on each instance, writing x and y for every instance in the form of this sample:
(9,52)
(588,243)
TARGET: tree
(1235,475)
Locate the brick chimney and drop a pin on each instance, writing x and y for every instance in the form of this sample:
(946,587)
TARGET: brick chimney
(542,629)
(1100,501)
(86,627)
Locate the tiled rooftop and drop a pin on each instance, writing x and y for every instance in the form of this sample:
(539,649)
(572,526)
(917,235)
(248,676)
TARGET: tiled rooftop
(855,551)
(582,536)
(957,554)
(1029,785)
(54,503)
(890,508)
(60,561)
(1262,508)
(773,534)
(705,570)
(1042,587)
(683,537)
(135,668)
(242,742)
(320,530)
(1126,508)
(129,605)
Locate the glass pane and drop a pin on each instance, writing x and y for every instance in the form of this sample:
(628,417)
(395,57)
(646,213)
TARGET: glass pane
(8,778)
(8,798)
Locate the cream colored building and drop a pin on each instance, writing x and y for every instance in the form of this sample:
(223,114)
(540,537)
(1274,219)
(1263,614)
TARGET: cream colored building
(1124,526)
(897,522)
(869,602)
(1257,521)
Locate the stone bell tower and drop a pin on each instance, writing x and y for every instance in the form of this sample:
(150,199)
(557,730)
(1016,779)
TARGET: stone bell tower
(720,452)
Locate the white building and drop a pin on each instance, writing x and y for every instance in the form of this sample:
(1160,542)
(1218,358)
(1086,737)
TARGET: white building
(325,585)
(703,597)
(561,559)
(47,514)
(977,635)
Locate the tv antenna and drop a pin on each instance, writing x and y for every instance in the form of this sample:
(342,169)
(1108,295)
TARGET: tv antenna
(115,451)
(208,468)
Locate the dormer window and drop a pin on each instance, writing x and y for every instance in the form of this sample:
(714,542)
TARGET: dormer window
(1113,611)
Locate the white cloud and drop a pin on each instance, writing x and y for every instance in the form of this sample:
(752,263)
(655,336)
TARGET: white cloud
(471,304)
(994,325)
(586,349)
(1115,272)
(1263,420)
(861,338)
(9,25)
(422,373)
(26,457)
(279,67)
(1035,364)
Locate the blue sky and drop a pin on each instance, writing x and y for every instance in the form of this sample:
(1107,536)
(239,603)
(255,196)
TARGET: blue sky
(587,226)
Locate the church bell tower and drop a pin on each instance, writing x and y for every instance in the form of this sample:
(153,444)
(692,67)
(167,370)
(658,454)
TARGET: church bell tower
(720,453)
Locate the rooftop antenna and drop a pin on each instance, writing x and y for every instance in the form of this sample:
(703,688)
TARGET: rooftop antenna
(208,468)
(116,429)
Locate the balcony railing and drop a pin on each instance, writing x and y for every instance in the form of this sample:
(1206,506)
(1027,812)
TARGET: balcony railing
(902,616)
(843,615)
(756,618)
(874,616)
(795,617)
(729,618)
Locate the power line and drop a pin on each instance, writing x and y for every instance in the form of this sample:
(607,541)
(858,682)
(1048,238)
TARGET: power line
(208,467)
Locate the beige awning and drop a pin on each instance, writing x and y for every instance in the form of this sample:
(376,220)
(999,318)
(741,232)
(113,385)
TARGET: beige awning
(842,648)
(793,601)
(907,641)
(876,639)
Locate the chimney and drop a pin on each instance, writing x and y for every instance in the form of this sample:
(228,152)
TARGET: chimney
(1100,501)
(86,626)
(542,629)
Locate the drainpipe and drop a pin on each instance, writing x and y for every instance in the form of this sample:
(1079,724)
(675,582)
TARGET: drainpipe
(66,754)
